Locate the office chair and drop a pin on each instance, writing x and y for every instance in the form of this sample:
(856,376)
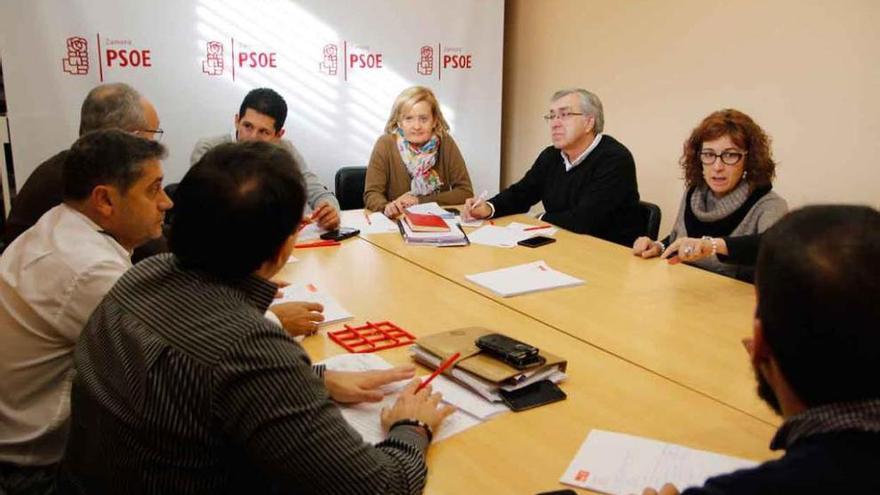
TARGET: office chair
(349,187)
(651,216)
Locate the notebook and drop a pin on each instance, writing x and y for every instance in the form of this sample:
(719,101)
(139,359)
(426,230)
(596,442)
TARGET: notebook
(419,222)
(523,279)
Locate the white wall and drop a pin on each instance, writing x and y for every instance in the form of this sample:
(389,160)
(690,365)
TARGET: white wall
(333,119)
(806,71)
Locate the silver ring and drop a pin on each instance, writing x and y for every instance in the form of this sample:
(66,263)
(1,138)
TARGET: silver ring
(688,250)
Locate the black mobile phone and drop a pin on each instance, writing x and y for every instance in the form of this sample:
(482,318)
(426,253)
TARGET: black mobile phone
(558,492)
(534,395)
(538,240)
(338,235)
(513,352)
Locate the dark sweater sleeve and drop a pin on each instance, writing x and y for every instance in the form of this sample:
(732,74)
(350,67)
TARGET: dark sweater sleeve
(296,434)
(41,192)
(519,197)
(741,250)
(610,187)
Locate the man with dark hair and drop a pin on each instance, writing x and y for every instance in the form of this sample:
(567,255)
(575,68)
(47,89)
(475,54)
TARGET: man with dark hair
(261,117)
(108,106)
(51,279)
(816,354)
(586,180)
(182,386)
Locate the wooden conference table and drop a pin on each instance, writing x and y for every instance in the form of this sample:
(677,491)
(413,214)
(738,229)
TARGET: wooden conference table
(678,321)
(523,452)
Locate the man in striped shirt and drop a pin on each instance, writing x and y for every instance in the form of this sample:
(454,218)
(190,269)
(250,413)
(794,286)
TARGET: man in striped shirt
(183,386)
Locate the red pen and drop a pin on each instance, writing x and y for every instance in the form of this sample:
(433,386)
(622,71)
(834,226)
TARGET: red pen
(317,244)
(537,227)
(443,367)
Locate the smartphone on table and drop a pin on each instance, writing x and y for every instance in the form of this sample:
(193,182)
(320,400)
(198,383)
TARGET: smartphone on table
(340,234)
(538,240)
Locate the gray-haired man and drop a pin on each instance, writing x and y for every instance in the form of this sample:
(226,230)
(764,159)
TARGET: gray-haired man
(586,179)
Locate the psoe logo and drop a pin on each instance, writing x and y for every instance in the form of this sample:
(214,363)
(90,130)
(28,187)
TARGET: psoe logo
(213,63)
(330,64)
(77,60)
(425,66)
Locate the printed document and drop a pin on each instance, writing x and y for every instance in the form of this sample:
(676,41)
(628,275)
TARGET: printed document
(610,462)
(333,311)
(522,279)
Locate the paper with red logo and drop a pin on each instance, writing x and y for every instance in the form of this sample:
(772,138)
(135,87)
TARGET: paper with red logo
(610,462)
(333,311)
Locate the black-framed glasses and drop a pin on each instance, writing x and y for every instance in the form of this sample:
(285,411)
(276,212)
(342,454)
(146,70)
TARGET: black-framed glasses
(563,115)
(727,157)
(157,133)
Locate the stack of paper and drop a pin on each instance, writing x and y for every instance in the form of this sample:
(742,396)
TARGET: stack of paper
(364,417)
(611,462)
(522,279)
(485,389)
(454,237)
(333,311)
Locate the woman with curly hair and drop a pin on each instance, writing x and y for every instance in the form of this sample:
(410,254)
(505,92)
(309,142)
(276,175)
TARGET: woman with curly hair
(728,170)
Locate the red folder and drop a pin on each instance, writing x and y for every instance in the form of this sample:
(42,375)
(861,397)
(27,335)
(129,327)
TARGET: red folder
(425,223)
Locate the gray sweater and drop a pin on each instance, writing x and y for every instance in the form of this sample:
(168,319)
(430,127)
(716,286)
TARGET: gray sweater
(316,191)
(766,211)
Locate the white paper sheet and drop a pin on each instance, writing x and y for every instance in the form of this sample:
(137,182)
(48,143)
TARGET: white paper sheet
(365,417)
(309,233)
(612,462)
(508,236)
(522,279)
(431,209)
(378,223)
(333,311)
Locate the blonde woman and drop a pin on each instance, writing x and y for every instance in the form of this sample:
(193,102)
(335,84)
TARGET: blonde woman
(416,160)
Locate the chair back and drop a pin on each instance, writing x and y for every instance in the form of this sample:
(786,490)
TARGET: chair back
(651,217)
(349,187)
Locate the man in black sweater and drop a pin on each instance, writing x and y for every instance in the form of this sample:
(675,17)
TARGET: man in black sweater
(586,180)
(816,354)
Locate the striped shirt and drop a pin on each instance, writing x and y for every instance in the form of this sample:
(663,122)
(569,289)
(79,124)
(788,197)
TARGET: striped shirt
(183,386)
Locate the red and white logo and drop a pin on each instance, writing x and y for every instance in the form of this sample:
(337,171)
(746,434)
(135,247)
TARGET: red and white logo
(425,66)
(213,62)
(77,60)
(330,64)
(457,59)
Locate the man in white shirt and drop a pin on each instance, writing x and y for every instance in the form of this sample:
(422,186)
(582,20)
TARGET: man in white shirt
(51,279)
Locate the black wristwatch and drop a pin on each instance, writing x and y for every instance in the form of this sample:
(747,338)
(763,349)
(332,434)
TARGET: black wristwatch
(414,422)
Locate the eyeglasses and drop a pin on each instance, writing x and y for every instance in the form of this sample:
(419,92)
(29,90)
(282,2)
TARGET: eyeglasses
(563,115)
(157,133)
(727,157)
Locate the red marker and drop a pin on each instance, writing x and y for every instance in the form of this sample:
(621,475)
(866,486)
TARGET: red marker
(317,244)
(443,367)
(537,227)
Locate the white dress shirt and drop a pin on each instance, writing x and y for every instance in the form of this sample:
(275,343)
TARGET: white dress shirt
(51,279)
(583,156)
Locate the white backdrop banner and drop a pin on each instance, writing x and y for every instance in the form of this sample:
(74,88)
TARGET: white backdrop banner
(338,64)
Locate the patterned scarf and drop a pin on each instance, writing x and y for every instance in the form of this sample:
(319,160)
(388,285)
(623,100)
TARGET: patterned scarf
(420,161)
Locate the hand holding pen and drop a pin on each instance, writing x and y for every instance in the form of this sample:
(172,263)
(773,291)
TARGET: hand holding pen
(476,208)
